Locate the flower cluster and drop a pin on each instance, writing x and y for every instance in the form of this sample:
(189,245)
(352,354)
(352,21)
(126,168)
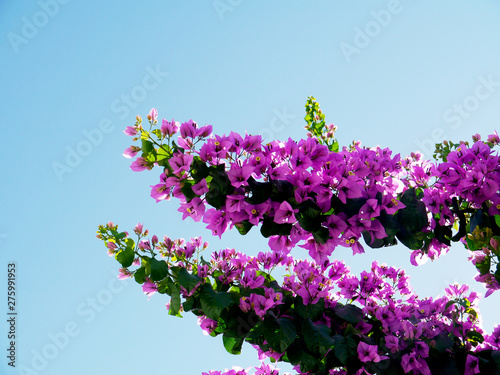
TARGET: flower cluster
(263,369)
(315,195)
(304,194)
(317,312)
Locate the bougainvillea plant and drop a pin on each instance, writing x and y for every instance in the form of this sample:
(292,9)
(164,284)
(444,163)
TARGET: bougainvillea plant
(314,194)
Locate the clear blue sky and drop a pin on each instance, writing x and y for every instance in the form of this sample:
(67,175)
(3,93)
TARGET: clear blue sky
(393,73)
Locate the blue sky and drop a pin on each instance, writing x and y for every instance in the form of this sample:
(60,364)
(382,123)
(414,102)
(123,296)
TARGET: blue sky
(402,74)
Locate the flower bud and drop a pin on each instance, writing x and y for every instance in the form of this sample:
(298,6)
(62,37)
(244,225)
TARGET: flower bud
(138,228)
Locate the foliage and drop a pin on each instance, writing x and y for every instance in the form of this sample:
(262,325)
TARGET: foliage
(311,194)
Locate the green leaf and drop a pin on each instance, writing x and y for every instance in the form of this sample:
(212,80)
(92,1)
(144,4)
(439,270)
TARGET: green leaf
(297,355)
(313,312)
(157,132)
(464,303)
(308,363)
(117,235)
(345,348)
(317,337)
(495,355)
(351,313)
(151,158)
(484,266)
(391,226)
(244,227)
(475,336)
(497,220)
(376,243)
(443,233)
(352,205)
(189,304)
(129,242)
(281,190)
(334,147)
(220,187)
(213,302)
(232,344)
(199,169)
(270,228)
(159,269)
(188,280)
(147,146)
(187,190)
(140,275)
(472,245)
(175,298)
(259,191)
(125,257)
(478,219)
(162,286)
(443,341)
(448,304)
(321,235)
(413,217)
(279,333)
(164,153)
(410,240)
(309,216)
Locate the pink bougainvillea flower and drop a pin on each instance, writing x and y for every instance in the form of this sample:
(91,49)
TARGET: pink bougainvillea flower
(149,288)
(180,162)
(201,187)
(160,192)
(392,343)
(153,115)
(188,129)
(350,239)
(285,214)
(370,209)
(239,175)
(138,228)
(130,131)
(140,164)
(266,369)
(144,244)
(169,128)
(411,362)
(368,353)
(204,131)
(251,280)
(217,221)
(471,365)
(256,211)
(207,325)
(195,208)
(111,245)
(130,152)
(494,138)
(123,273)
(280,244)
(455,290)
